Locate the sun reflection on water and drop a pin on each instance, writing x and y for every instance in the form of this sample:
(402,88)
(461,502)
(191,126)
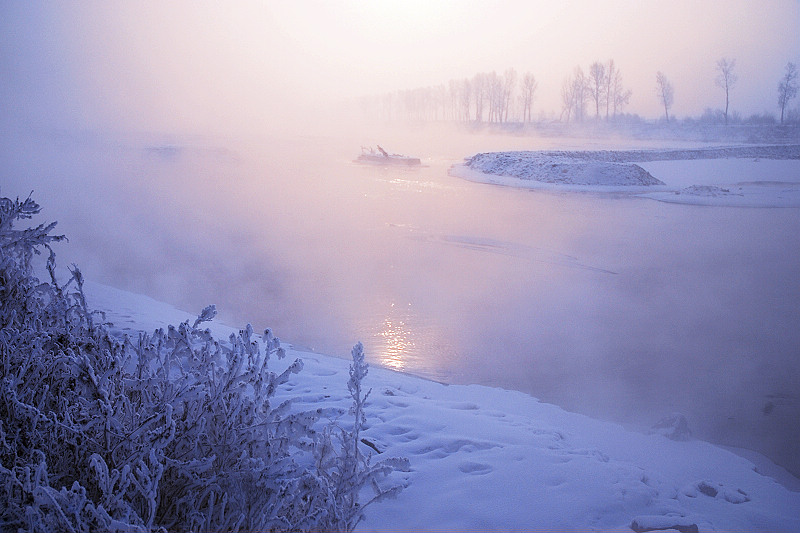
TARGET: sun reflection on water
(404,339)
(398,340)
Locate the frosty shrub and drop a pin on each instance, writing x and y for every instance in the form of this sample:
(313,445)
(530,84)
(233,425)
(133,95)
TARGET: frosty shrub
(174,430)
(343,467)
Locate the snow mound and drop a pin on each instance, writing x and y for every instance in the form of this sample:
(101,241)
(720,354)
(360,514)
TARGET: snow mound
(642,524)
(706,190)
(674,426)
(559,168)
(745,194)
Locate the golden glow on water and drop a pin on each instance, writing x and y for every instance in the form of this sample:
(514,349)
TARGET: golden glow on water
(397,342)
(405,337)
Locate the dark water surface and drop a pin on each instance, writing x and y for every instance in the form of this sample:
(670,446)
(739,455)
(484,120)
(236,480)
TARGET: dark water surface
(611,305)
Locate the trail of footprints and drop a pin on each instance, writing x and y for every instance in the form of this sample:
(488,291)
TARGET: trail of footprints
(388,422)
(437,444)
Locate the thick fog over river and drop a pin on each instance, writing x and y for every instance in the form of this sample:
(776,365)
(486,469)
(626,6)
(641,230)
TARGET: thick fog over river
(612,305)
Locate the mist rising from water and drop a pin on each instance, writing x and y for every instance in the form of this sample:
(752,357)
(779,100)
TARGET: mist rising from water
(618,307)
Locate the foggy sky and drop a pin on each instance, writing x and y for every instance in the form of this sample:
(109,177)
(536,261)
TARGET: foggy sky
(249,66)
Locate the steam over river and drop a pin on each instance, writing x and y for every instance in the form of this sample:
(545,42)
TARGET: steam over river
(611,305)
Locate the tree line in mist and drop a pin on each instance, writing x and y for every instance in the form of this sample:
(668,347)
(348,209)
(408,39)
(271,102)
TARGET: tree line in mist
(599,93)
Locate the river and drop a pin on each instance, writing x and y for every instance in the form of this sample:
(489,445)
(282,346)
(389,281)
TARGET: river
(615,306)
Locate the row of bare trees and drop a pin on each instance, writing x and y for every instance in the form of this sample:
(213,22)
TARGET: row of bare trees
(499,98)
(488,95)
(726,79)
(485,97)
(602,87)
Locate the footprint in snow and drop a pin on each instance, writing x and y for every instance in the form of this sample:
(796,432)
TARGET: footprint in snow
(475,469)
(464,406)
(716,490)
(443,448)
(324,373)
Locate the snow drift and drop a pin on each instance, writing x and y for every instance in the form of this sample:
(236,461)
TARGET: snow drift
(562,169)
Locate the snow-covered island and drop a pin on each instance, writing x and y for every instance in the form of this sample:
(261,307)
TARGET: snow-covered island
(558,168)
(640,172)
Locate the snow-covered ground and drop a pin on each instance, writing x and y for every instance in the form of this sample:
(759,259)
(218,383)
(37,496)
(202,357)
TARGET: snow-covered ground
(490,459)
(741,176)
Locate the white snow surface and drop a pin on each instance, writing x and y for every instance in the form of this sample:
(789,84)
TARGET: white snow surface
(484,458)
(740,176)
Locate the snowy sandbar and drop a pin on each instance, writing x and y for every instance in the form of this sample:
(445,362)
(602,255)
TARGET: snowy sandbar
(746,176)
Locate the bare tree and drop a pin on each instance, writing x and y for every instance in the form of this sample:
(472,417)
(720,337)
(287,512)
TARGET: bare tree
(597,83)
(787,88)
(616,96)
(529,85)
(439,102)
(611,74)
(665,92)
(479,91)
(574,94)
(581,93)
(495,96)
(726,79)
(566,98)
(622,96)
(453,98)
(466,98)
(509,81)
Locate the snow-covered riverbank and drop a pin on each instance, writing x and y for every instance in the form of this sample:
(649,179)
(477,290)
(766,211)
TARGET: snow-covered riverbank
(664,175)
(484,458)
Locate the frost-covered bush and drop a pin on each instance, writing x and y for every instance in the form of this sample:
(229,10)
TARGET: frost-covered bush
(343,466)
(174,430)
(763,119)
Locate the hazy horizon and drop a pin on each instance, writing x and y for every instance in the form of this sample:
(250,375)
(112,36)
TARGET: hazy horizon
(251,67)
(202,152)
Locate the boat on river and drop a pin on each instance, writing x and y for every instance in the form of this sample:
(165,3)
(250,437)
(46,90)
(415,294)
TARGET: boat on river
(382,157)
